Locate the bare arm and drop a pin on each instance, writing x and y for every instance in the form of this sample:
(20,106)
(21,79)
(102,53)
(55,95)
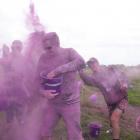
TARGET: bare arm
(87,79)
(76,63)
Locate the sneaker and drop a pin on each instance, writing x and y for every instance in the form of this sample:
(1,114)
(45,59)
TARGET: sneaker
(109,131)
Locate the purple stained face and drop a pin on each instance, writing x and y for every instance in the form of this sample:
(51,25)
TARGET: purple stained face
(16,44)
(51,42)
(48,44)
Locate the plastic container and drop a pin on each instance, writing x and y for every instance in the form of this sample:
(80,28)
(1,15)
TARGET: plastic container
(51,84)
(94,129)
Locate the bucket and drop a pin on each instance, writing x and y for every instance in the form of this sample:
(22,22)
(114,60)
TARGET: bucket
(51,84)
(94,129)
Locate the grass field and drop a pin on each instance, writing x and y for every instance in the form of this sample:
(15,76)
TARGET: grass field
(134,92)
(97,112)
(94,113)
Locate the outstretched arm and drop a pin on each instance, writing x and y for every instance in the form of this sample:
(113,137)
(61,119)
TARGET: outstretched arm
(87,79)
(123,82)
(76,63)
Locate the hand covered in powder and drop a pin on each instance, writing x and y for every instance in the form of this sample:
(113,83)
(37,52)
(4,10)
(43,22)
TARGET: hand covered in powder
(81,71)
(51,75)
(49,94)
(124,87)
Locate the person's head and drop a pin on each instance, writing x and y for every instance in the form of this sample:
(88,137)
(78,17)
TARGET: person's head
(16,46)
(112,69)
(51,41)
(93,64)
(5,50)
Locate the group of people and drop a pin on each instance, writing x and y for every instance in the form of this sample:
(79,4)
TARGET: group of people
(66,62)
(56,61)
(13,93)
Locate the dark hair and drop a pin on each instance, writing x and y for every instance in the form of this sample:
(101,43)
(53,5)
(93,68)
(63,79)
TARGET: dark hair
(92,61)
(5,47)
(18,47)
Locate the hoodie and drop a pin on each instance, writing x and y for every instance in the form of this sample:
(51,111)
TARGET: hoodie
(63,62)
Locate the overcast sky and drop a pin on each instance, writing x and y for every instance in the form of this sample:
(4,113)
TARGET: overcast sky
(106,29)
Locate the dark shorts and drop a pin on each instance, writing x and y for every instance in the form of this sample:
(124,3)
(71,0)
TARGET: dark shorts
(122,105)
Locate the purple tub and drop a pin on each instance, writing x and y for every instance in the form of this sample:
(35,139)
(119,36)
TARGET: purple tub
(94,129)
(51,84)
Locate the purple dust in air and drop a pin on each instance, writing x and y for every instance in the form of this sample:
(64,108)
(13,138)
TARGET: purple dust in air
(33,48)
(19,99)
(30,130)
(32,20)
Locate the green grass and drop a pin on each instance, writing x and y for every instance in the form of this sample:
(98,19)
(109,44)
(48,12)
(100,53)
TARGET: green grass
(90,113)
(134,92)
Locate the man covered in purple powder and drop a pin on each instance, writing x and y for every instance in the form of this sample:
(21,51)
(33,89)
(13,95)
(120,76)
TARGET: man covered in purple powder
(65,63)
(113,85)
(14,84)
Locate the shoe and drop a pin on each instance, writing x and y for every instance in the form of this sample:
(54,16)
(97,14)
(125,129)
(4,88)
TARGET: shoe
(109,131)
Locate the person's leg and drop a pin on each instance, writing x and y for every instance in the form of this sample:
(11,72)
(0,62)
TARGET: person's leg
(50,120)
(115,117)
(71,116)
(111,108)
(115,123)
